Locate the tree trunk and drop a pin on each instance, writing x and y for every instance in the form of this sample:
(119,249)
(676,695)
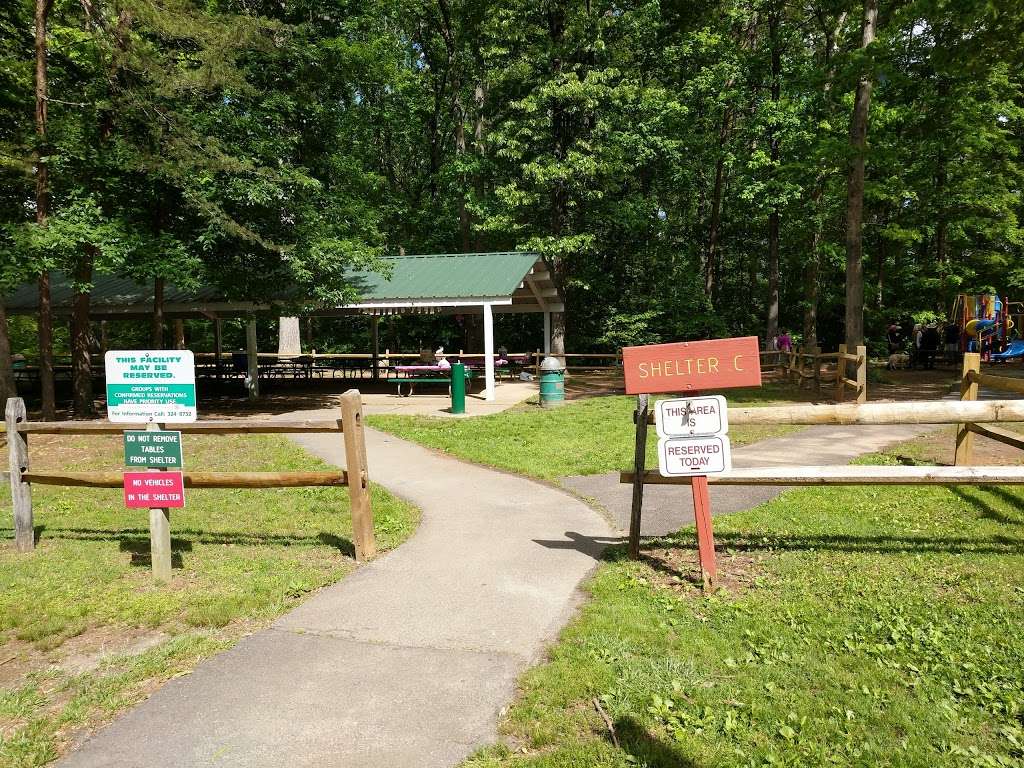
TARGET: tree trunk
(880,275)
(711,250)
(558,335)
(772,326)
(479,100)
(158,313)
(179,333)
(855,191)
(559,193)
(81,338)
(45,326)
(8,386)
(811,288)
(47,390)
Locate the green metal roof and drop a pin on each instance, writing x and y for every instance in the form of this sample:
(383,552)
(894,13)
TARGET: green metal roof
(447,276)
(412,277)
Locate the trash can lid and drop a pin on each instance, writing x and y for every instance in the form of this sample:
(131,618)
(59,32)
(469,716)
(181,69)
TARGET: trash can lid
(551,364)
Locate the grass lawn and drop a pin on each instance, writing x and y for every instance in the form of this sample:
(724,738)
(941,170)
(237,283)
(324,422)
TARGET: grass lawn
(84,633)
(858,627)
(583,437)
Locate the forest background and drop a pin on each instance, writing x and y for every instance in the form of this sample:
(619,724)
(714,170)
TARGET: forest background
(687,169)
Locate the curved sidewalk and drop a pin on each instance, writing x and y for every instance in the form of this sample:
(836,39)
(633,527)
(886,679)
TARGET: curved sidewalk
(407,661)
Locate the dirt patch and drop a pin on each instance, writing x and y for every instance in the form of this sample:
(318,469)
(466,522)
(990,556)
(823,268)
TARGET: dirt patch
(677,569)
(76,655)
(940,447)
(905,385)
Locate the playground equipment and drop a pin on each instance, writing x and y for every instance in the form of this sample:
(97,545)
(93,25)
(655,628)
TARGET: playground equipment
(985,321)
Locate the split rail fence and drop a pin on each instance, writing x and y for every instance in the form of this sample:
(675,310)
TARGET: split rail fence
(821,370)
(974,416)
(355,477)
(970,382)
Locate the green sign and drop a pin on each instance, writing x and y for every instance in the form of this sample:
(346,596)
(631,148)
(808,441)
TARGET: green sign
(152,448)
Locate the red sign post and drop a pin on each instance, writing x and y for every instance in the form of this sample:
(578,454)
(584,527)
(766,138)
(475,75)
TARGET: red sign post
(687,367)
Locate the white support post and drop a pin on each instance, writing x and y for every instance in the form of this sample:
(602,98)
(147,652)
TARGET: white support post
(488,352)
(252,379)
(547,334)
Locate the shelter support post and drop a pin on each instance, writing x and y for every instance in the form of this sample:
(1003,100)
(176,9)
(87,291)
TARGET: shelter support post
(218,347)
(488,352)
(547,334)
(252,378)
(375,344)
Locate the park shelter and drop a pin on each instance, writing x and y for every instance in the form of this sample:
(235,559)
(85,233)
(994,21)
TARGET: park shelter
(463,283)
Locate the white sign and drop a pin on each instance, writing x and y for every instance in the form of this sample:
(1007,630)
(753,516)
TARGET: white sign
(151,385)
(691,416)
(682,456)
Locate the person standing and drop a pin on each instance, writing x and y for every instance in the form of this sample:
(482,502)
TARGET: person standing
(929,344)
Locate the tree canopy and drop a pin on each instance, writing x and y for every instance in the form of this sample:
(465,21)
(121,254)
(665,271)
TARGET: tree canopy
(683,167)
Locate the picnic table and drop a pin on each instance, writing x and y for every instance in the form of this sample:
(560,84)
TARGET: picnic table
(412,375)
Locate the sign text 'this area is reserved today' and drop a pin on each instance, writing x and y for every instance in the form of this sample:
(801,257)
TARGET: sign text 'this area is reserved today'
(693,431)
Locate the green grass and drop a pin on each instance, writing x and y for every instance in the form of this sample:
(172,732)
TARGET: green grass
(863,627)
(241,557)
(583,437)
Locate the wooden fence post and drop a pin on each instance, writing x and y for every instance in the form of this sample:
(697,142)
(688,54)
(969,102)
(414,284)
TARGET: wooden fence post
(159,533)
(21,492)
(639,464)
(840,372)
(968,391)
(358,479)
(862,374)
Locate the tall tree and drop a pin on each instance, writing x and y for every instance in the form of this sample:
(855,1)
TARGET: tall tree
(855,185)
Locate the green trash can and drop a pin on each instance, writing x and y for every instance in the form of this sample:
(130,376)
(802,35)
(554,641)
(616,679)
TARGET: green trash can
(552,383)
(458,388)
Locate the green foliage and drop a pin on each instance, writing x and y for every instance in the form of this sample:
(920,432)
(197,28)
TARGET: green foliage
(265,148)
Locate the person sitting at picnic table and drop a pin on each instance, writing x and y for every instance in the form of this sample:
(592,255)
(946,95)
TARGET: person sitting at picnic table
(440,360)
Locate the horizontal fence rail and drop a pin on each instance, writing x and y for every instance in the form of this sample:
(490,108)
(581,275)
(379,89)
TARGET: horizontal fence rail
(114,479)
(211,427)
(849,475)
(919,412)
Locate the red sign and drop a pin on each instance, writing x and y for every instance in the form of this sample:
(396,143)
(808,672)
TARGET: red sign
(689,366)
(148,490)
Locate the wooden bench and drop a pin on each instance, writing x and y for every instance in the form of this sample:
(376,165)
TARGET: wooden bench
(418,378)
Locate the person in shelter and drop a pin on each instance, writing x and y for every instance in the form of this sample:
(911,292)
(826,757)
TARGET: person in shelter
(440,360)
(783,342)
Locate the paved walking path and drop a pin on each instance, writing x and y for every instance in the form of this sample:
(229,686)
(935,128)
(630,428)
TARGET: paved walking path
(408,661)
(667,508)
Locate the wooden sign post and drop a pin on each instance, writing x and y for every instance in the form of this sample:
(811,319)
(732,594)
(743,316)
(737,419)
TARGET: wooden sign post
(686,367)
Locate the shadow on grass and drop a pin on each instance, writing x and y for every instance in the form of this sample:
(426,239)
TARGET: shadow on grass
(136,540)
(648,750)
(980,498)
(880,544)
